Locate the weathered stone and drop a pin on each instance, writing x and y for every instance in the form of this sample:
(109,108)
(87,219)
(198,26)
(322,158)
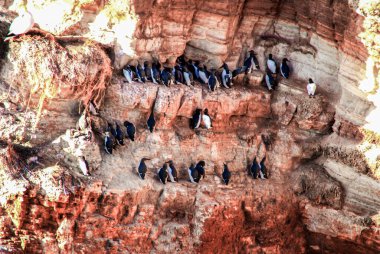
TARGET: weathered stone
(57,209)
(313,182)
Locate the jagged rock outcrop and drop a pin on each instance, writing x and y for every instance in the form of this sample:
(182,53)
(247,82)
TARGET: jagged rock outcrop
(52,77)
(321,195)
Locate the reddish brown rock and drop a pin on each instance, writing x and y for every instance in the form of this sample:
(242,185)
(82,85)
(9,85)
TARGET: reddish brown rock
(347,129)
(54,208)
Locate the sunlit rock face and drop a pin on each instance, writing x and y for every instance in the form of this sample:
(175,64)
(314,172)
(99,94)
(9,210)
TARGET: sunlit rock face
(322,195)
(320,38)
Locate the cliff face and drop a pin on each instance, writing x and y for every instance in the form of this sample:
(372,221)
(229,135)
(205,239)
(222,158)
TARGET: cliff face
(322,195)
(321,38)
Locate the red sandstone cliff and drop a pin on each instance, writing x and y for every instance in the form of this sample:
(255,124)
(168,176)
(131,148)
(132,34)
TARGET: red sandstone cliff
(321,196)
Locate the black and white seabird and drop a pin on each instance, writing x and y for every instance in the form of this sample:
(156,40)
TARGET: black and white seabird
(141,73)
(272,64)
(200,167)
(226,76)
(207,119)
(226,175)
(156,74)
(111,130)
(108,143)
(196,69)
(142,169)
(178,75)
(173,175)
(148,71)
(119,135)
(193,174)
(163,173)
(181,60)
(197,118)
(213,82)
(203,77)
(269,80)
(188,76)
(128,73)
(255,168)
(311,87)
(131,130)
(166,77)
(284,68)
(83,165)
(249,64)
(263,169)
(135,74)
(151,122)
(193,68)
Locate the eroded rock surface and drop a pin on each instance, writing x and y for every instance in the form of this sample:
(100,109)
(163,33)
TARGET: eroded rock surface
(320,196)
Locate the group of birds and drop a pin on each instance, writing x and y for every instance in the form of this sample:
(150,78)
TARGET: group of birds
(251,63)
(271,75)
(168,171)
(258,169)
(271,71)
(198,117)
(115,136)
(184,72)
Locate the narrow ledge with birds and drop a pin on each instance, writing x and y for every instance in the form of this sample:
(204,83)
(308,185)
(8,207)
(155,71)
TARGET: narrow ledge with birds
(218,148)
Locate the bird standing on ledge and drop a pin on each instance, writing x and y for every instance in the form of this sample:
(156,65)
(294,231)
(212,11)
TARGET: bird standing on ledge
(20,25)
